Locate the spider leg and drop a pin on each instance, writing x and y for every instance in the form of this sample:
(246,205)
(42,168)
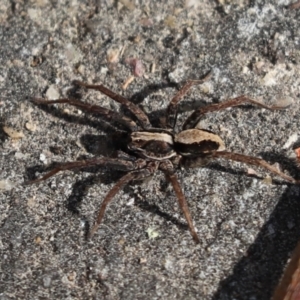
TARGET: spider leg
(194,118)
(139,114)
(172,109)
(170,175)
(106,113)
(251,161)
(121,165)
(134,175)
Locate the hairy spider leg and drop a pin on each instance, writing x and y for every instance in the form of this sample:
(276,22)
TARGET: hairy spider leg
(170,175)
(194,118)
(114,163)
(134,175)
(134,109)
(104,112)
(172,109)
(252,161)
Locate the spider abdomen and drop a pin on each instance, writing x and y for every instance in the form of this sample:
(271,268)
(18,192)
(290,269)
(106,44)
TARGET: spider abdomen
(194,142)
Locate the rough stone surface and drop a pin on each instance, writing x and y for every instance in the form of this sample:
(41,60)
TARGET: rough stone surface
(143,249)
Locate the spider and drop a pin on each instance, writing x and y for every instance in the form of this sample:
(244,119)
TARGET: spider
(149,149)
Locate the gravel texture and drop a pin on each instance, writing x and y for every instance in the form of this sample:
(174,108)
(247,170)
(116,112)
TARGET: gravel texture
(143,250)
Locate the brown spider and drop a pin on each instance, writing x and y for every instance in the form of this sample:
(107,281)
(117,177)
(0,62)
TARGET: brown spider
(150,149)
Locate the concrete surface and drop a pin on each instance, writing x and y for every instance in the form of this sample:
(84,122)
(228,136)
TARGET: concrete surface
(143,250)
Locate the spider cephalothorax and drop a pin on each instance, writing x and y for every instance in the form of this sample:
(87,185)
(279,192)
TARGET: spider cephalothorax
(150,149)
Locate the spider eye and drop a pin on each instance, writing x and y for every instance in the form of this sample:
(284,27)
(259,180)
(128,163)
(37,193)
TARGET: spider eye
(194,142)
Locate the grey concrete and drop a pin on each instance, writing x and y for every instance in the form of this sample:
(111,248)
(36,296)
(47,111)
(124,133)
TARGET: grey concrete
(143,250)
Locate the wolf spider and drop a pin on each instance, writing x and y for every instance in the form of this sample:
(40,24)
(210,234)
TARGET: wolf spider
(150,149)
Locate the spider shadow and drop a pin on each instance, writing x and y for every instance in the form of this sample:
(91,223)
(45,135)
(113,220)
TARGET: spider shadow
(80,187)
(3,135)
(285,162)
(155,209)
(80,190)
(100,145)
(271,157)
(155,117)
(85,120)
(137,98)
(75,92)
